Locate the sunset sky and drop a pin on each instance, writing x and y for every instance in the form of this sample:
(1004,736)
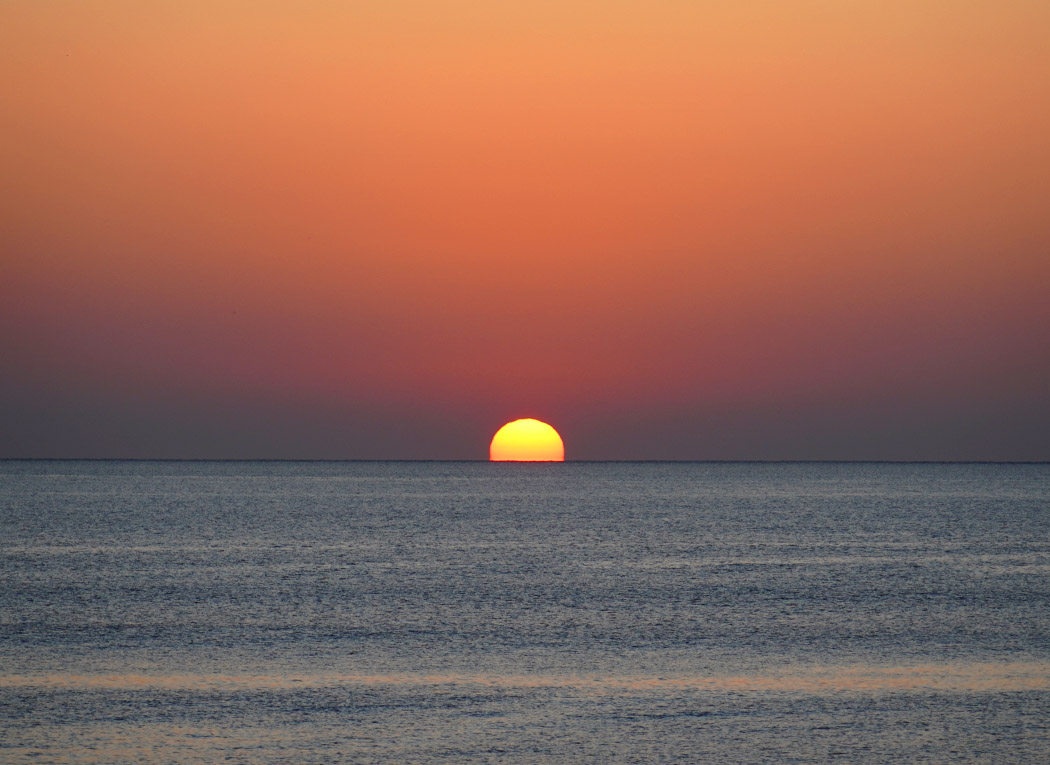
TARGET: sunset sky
(673,229)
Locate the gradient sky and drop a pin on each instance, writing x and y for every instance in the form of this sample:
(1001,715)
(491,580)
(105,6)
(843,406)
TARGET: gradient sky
(382,228)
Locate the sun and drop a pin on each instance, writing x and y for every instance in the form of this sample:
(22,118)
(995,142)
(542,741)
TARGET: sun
(527,441)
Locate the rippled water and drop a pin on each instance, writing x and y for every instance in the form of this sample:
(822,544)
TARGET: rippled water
(477,612)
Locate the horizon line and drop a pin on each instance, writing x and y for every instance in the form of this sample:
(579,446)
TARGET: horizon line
(544,462)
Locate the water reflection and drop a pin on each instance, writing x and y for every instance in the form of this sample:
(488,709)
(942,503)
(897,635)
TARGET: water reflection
(971,677)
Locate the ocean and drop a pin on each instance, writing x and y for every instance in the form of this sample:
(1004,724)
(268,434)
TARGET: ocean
(469,612)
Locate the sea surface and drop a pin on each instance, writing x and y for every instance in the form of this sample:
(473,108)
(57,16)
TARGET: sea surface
(524,613)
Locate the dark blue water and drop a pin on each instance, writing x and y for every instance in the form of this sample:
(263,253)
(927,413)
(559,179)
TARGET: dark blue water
(483,612)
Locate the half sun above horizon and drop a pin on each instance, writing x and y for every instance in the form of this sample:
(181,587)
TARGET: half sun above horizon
(526,440)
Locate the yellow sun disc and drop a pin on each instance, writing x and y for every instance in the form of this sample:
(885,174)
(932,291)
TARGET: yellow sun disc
(527,441)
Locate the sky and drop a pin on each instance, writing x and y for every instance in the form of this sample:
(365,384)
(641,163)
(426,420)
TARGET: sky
(380,229)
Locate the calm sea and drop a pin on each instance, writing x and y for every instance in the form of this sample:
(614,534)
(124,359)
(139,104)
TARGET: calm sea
(497,612)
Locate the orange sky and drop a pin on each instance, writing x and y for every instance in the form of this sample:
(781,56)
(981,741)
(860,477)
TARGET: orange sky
(672,229)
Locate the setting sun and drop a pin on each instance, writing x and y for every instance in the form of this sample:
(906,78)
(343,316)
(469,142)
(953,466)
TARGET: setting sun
(527,441)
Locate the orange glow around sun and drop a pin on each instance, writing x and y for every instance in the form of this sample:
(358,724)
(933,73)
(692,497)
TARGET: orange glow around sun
(527,441)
